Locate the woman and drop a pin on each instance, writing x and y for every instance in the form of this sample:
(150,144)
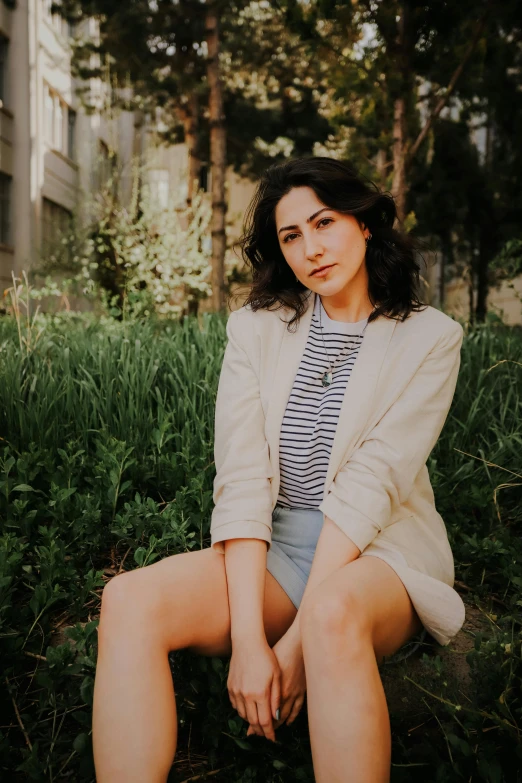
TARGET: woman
(327,552)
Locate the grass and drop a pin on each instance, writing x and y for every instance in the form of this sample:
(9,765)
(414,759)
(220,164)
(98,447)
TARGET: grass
(106,463)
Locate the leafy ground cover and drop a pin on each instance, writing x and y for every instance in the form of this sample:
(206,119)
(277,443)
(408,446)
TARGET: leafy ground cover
(106,434)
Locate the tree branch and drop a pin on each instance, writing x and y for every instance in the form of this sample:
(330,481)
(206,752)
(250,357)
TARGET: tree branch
(451,86)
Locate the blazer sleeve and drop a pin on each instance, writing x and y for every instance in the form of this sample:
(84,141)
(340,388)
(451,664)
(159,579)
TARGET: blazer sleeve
(379,475)
(242,485)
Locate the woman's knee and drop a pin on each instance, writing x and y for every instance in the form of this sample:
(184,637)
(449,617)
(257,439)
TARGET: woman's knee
(327,616)
(130,598)
(181,601)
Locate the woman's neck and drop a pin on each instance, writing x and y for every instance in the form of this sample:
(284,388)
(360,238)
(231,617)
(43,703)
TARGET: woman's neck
(338,309)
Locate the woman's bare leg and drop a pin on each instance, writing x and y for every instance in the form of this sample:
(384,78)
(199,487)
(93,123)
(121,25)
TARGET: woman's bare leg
(178,602)
(356,616)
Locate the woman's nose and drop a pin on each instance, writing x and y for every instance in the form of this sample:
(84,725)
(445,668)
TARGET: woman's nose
(312,247)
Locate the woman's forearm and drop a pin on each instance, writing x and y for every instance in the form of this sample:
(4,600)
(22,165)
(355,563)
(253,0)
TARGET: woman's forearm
(245,565)
(334,550)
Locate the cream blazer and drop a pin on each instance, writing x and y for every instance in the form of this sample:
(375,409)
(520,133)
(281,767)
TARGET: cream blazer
(377,487)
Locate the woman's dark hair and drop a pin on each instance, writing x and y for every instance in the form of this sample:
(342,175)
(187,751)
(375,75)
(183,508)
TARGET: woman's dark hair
(390,256)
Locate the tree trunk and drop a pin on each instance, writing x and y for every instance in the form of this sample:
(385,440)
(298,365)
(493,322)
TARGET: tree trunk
(486,237)
(471,295)
(400,50)
(381,164)
(193,307)
(190,117)
(399,184)
(217,158)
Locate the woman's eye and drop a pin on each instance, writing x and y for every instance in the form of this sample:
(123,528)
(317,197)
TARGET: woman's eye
(324,221)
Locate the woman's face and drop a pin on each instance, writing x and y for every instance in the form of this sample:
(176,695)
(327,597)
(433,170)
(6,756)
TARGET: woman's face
(312,236)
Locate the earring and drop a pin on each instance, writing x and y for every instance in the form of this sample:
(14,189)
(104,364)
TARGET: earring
(368,238)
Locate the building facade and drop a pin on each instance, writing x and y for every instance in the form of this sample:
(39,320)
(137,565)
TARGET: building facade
(54,154)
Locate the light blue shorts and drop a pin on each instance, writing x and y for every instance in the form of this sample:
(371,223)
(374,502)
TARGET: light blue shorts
(295,532)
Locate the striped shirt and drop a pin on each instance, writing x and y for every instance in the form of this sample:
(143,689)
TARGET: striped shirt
(312,410)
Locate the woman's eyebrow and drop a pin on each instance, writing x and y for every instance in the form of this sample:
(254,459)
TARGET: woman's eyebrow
(308,220)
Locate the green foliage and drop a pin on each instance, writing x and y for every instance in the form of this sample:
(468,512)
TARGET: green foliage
(131,259)
(325,77)
(507,265)
(106,463)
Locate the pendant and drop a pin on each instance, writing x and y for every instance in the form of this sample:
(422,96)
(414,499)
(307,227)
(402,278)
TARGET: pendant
(327,378)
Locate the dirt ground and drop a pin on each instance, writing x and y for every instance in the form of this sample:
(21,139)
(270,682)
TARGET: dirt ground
(404,698)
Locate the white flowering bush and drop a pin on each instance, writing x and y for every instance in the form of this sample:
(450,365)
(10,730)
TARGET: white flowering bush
(280,146)
(135,260)
(159,258)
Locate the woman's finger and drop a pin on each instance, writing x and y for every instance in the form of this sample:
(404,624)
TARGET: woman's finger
(275,697)
(252,716)
(241,707)
(265,719)
(251,731)
(285,708)
(296,709)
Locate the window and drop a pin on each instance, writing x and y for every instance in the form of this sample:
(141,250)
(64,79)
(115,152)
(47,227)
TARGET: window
(71,134)
(5,208)
(49,115)
(3,68)
(60,123)
(56,221)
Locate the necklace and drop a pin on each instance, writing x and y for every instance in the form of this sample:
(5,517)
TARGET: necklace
(327,376)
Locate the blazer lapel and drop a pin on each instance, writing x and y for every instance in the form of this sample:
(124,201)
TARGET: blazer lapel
(290,353)
(359,394)
(357,400)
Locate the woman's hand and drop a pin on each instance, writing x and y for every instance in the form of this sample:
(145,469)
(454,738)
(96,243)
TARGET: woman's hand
(254,685)
(289,654)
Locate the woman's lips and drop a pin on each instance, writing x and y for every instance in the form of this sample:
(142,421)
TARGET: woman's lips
(322,272)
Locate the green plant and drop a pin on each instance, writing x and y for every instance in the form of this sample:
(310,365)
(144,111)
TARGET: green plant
(129,258)
(106,464)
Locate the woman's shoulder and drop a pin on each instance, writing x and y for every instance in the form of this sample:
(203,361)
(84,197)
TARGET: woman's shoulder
(256,331)
(246,317)
(422,332)
(430,319)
